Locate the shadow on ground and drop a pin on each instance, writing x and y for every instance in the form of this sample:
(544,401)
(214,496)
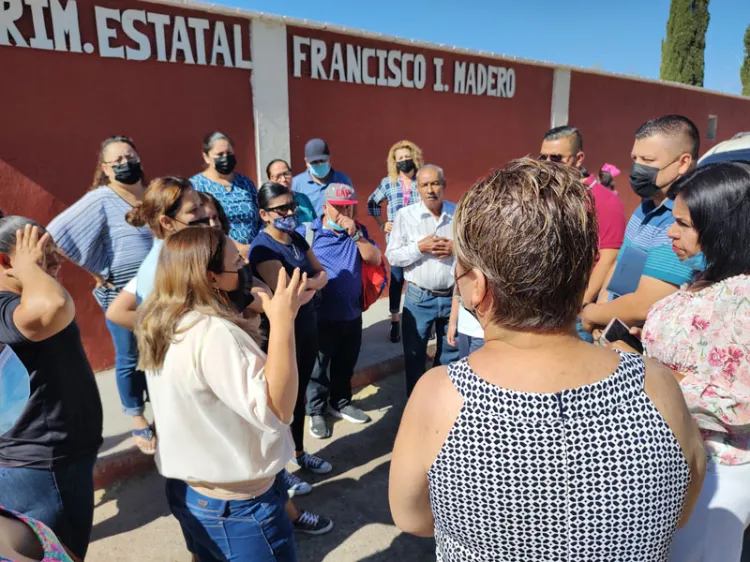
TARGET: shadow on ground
(134,510)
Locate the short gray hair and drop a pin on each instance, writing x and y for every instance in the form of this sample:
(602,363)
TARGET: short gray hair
(438,169)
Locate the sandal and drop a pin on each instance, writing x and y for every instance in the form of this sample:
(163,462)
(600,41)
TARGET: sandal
(145,434)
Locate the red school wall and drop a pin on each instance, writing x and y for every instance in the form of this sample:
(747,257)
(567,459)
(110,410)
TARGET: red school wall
(56,108)
(466,135)
(608,111)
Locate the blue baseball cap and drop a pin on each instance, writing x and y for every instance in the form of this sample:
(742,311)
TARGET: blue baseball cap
(316,149)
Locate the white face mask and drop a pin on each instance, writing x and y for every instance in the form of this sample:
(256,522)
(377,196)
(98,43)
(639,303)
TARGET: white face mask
(14,388)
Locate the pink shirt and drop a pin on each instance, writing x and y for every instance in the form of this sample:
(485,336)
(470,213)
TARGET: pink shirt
(705,335)
(406,183)
(611,215)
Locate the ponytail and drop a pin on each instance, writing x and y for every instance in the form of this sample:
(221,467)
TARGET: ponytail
(136,217)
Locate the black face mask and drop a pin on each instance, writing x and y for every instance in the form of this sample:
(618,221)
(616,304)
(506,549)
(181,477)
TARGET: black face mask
(225,164)
(643,179)
(128,173)
(242,296)
(405,166)
(205,221)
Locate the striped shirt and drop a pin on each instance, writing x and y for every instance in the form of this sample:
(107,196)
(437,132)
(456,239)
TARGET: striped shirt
(647,230)
(394,192)
(93,234)
(412,224)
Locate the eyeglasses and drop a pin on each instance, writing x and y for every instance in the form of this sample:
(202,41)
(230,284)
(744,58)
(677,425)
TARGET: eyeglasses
(123,159)
(282,175)
(551,157)
(284,209)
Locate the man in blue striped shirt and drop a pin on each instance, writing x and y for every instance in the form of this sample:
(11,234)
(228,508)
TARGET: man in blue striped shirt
(647,270)
(341,245)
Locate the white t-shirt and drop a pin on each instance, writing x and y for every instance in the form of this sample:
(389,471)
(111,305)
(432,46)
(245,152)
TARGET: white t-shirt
(130,287)
(468,325)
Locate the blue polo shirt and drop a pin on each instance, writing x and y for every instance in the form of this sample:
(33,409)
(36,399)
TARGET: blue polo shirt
(341,298)
(647,230)
(305,184)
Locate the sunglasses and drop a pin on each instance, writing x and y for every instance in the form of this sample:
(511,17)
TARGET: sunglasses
(551,157)
(284,209)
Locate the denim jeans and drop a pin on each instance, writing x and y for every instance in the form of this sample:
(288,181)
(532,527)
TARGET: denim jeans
(62,499)
(256,530)
(395,289)
(423,312)
(339,345)
(468,345)
(131,383)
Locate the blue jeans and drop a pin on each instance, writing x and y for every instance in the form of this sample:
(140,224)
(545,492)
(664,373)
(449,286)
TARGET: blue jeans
(583,334)
(256,530)
(62,499)
(422,312)
(468,345)
(131,383)
(395,289)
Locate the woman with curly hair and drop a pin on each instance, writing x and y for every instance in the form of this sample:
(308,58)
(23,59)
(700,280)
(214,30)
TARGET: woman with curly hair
(400,190)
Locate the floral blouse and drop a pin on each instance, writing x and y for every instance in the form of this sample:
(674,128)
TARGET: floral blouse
(53,549)
(705,335)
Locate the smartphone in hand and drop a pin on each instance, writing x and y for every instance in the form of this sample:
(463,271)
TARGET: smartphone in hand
(616,330)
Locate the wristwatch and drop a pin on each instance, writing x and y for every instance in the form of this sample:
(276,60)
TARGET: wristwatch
(357,235)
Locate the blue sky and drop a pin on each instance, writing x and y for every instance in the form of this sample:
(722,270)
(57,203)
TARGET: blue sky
(614,35)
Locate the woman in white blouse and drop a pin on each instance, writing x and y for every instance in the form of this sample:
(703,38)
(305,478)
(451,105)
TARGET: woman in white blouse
(222,407)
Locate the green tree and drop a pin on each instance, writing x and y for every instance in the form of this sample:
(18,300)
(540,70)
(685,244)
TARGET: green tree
(682,52)
(745,70)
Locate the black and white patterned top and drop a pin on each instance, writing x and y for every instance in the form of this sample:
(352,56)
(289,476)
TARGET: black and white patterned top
(591,474)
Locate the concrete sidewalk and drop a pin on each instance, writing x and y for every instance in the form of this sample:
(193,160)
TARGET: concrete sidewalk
(119,459)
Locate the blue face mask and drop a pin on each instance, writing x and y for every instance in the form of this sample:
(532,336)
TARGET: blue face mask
(14,388)
(320,170)
(696,263)
(335,226)
(287,224)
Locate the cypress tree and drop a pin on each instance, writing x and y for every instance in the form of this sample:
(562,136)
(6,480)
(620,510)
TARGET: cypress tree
(745,70)
(682,52)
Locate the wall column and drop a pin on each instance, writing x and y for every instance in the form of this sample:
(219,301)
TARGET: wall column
(560,98)
(270,81)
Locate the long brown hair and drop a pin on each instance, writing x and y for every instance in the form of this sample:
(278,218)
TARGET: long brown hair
(162,197)
(416,155)
(181,285)
(100,178)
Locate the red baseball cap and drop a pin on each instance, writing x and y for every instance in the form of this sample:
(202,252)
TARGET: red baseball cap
(340,194)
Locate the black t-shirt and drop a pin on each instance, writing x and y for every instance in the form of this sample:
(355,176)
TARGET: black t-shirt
(63,417)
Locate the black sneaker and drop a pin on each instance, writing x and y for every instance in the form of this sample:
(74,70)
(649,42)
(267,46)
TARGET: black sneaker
(350,413)
(295,486)
(313,524)
(319,427)
(312,463)
(395,332)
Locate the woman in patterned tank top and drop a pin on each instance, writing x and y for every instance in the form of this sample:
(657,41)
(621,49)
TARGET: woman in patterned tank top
(539,446)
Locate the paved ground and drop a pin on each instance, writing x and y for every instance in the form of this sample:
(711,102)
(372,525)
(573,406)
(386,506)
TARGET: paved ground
(132,521)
